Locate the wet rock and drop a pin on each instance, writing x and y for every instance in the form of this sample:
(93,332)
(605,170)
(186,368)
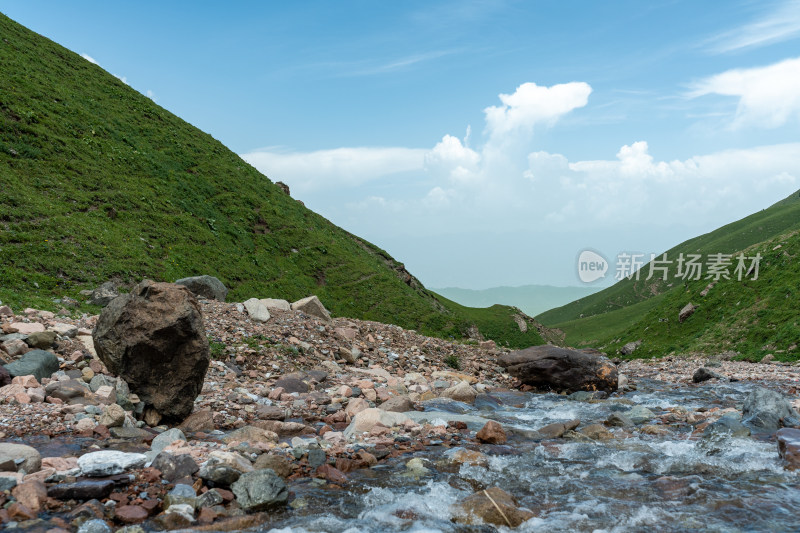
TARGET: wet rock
(687,311)
(726,425)
(81,490)
(260,490)
(491,506)
(765,410)
(154,338)
(41,339)
(557,430)
(39,363)
(596,432)
(461,392)
(257,310)
(312,306)
(109,462)
(704,374)
(397,404)
(492,433)
(175,467)
(789,447)
(104,294)
(205,286)
(618,420)
(640,414)
(277,463)
(560,369)
(31,459)
(331,473)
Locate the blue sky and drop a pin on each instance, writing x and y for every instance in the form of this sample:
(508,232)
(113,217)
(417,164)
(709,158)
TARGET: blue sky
(482,143)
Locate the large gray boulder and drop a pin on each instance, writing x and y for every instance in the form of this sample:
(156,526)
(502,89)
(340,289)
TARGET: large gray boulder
(205,286)
(765,410)
(154,338)
(260,490)
(561,369)
(39,363)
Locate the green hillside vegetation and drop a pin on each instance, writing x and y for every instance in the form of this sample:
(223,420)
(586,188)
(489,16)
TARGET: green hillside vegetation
(781,217)
(97,182)
(752,317)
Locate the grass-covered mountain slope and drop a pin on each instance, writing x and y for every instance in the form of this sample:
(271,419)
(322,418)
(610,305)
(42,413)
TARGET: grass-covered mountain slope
(775,220)
(97,182)
(752,317)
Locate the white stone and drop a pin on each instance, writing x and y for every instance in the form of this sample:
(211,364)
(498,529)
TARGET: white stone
(257,310)
(88,343)
(312,306)
(369,418)
(85,424)
(65,330)
(273,303)
(109,462)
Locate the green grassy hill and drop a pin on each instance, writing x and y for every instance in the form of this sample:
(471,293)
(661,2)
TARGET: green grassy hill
(97,182)
(753,317)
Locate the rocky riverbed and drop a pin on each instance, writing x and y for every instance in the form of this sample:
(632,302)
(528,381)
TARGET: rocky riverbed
(310,424)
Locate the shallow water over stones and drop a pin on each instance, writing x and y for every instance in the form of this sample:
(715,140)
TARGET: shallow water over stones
(637,481)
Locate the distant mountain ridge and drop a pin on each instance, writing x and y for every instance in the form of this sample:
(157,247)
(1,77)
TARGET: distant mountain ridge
(99,183)
(531,299)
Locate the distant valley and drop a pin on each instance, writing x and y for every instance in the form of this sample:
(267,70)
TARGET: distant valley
(531,299)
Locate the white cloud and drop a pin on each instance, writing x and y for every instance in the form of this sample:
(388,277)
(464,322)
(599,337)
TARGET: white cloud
(780,24)
(89,58)
(327,169)
(452,159)
(531,104)
(636,187)
(768,96)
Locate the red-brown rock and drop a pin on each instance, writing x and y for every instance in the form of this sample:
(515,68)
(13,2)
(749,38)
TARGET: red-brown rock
(492,433)
(789,447)
(131,514)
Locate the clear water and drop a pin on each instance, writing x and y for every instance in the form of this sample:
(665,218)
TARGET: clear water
(667,483)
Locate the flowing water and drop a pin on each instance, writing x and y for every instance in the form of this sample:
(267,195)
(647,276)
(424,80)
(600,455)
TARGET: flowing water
(635,482)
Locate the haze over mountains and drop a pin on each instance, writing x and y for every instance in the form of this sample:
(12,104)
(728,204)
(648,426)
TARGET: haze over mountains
(531,299)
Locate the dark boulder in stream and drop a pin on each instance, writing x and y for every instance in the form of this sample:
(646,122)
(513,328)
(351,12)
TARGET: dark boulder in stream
(561,369)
